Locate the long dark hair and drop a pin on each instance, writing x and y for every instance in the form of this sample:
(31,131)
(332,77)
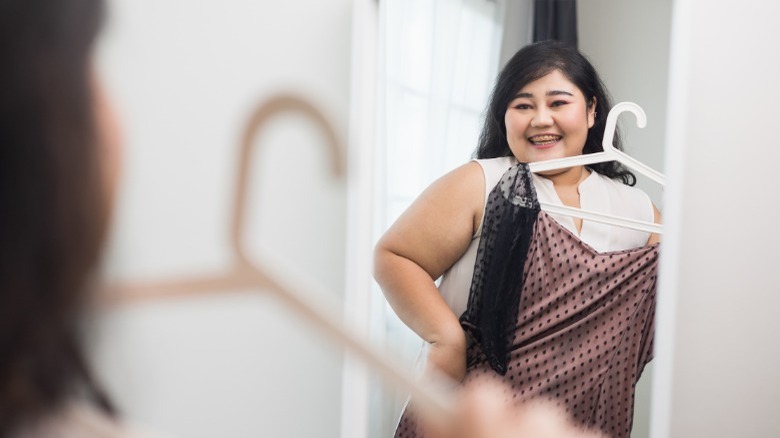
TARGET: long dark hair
(53,204)
(531,63)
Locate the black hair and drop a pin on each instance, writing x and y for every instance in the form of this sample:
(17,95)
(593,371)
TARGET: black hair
(531,63)
(54,209)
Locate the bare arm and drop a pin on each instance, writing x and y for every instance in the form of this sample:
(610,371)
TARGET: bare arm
(655,238)
(431,235)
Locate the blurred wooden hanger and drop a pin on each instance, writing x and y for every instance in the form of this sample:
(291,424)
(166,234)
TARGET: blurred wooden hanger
(305,297)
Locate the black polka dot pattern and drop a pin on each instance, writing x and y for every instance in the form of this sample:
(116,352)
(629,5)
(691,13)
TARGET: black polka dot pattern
(584,329)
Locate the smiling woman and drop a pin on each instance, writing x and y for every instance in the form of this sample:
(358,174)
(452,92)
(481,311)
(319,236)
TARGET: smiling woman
(534,297)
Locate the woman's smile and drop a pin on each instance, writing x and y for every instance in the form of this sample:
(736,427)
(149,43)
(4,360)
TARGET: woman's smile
(544,140)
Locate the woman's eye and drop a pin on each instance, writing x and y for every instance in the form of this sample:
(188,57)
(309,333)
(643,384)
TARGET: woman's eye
(522,106)
(559,103)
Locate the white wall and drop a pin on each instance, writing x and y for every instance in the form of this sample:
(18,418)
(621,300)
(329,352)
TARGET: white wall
(518,28)
(185,76)
(721,269)
(628,43)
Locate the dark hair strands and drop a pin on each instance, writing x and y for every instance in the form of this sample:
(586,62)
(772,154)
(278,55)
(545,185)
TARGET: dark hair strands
(54,207)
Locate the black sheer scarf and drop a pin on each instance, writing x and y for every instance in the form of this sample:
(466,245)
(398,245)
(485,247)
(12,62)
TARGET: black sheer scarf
(494,297)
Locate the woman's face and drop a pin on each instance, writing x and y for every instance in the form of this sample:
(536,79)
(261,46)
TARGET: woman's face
(548,118)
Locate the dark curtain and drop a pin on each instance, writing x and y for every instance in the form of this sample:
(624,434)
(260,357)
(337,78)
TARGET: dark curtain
(555,20)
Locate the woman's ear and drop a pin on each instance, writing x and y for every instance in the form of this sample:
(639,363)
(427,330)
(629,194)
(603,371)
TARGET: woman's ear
(592,113)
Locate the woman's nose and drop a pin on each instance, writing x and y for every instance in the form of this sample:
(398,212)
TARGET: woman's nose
(542,118)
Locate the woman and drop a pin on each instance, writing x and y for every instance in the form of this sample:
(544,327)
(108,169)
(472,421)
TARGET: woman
(58,161)
(481,229)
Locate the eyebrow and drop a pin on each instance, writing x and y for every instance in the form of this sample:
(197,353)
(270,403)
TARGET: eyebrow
(549,93)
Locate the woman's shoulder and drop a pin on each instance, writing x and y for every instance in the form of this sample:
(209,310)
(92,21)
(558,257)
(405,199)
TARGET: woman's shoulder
(472,173)
(493,169)
(498,164)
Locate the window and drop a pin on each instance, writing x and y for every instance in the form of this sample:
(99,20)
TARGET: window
(438,61)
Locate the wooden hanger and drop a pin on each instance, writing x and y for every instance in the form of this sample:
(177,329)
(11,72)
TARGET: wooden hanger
(434,397)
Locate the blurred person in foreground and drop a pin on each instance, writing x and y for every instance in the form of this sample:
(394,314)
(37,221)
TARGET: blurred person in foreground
(58,169)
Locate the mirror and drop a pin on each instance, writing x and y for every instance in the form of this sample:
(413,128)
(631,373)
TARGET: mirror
(183,121)
(427,132)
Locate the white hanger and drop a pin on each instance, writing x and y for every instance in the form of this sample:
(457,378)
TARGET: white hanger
(610,153)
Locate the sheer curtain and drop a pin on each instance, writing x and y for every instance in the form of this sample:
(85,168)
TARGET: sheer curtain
(438,60)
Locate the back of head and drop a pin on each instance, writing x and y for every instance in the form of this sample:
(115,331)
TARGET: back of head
(531,63)
(53,203)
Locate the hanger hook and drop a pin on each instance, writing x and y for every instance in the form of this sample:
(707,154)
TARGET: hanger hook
(609,129)
(274,105)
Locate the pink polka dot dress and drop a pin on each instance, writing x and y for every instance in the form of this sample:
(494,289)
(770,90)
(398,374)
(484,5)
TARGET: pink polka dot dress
(580,330)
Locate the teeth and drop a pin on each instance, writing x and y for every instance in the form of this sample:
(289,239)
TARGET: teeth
(545,138)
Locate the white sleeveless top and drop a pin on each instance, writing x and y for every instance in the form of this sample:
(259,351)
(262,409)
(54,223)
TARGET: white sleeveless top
(597,193)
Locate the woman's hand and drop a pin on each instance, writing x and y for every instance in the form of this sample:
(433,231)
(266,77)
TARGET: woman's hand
(484,409)
(448,355)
